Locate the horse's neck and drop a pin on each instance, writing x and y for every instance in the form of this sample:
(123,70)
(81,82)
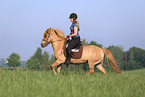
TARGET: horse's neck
(57,47)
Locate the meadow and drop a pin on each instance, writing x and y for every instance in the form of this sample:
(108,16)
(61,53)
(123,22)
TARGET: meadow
(26,83)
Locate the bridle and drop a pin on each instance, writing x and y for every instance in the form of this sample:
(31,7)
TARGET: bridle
(46,40)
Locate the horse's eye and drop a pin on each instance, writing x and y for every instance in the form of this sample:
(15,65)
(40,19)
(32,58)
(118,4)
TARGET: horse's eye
(45,36)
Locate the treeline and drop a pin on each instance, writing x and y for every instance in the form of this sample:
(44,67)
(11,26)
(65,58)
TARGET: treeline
(132,59)
(40,61)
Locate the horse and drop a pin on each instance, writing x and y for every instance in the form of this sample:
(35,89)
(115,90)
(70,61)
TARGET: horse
(91,54)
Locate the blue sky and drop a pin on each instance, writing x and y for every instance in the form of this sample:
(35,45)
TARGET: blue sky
(109,22)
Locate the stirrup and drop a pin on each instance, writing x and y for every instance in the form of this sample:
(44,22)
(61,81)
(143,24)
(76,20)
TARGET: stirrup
(67,62)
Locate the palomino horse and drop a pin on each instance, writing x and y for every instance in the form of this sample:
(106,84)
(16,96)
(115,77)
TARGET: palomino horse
(91,54)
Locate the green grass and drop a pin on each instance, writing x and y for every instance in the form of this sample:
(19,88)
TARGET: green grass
(19,83)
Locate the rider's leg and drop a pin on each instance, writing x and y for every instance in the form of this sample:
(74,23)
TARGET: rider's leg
(71,45)
(68,50)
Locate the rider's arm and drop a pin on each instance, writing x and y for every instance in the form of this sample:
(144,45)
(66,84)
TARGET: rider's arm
(75,32)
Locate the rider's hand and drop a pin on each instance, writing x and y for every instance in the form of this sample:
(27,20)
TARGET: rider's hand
(67,36)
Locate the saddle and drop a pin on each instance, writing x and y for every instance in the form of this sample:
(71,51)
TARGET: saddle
(76,52)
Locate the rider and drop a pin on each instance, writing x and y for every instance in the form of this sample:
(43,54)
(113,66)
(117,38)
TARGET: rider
(75,37)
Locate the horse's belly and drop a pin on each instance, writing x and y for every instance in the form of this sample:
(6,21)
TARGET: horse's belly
(78,61)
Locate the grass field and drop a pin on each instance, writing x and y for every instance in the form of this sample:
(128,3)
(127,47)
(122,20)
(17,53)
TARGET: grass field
(20,83)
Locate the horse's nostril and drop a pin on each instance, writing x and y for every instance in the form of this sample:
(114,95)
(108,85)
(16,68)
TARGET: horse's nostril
(43,44)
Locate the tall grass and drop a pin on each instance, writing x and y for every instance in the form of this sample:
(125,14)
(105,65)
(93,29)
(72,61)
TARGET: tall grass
(19,83)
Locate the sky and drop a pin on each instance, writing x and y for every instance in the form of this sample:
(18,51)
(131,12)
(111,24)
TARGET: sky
(108,22)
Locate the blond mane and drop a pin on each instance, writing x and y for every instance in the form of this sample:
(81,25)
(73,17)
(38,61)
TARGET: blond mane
(59,33)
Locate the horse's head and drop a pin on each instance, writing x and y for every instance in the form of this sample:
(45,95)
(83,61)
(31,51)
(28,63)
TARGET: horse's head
(52,35)
(46,39)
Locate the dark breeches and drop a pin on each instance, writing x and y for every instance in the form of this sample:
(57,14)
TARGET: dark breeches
(72,44)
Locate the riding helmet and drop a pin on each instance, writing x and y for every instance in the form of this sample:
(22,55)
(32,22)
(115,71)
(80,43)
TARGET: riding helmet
(73,15)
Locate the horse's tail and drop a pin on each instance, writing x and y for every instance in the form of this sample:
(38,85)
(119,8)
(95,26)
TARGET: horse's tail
(110,59)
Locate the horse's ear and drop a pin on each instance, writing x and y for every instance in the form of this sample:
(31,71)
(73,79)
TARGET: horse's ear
(48,30)
(52,30)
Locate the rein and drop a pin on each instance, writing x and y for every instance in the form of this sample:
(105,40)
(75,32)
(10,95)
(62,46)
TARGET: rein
(52,41)
(58,40)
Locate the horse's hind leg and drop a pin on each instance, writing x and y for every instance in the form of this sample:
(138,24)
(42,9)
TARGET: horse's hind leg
(92,63)
(91,67)
(100,67)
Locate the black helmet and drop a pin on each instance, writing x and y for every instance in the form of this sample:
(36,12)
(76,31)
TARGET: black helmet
(73,15)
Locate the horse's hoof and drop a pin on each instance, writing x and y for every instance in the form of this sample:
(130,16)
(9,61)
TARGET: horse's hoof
(51,67)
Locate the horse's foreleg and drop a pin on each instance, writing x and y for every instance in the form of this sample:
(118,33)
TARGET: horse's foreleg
(56,63)
(58,69)
(52,68)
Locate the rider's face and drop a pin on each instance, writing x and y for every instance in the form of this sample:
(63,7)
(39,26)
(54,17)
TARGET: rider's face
(71,19)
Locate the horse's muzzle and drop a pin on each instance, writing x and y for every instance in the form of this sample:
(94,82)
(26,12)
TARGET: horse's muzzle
(43,45)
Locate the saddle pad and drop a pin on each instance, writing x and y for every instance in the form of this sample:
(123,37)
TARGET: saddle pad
(75,55)
(75,50)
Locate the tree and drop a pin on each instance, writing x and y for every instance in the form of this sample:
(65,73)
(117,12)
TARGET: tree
(36,60)
(52,59)
(14,60)
(84,42)
(136,58)
(38,55)
(139,55)
(23,64)
(3,63)
(96,44)
(33,64)
(119,55)
(45,60)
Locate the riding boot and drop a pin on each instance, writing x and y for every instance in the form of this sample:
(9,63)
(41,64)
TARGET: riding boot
(68,61)
(68,57)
